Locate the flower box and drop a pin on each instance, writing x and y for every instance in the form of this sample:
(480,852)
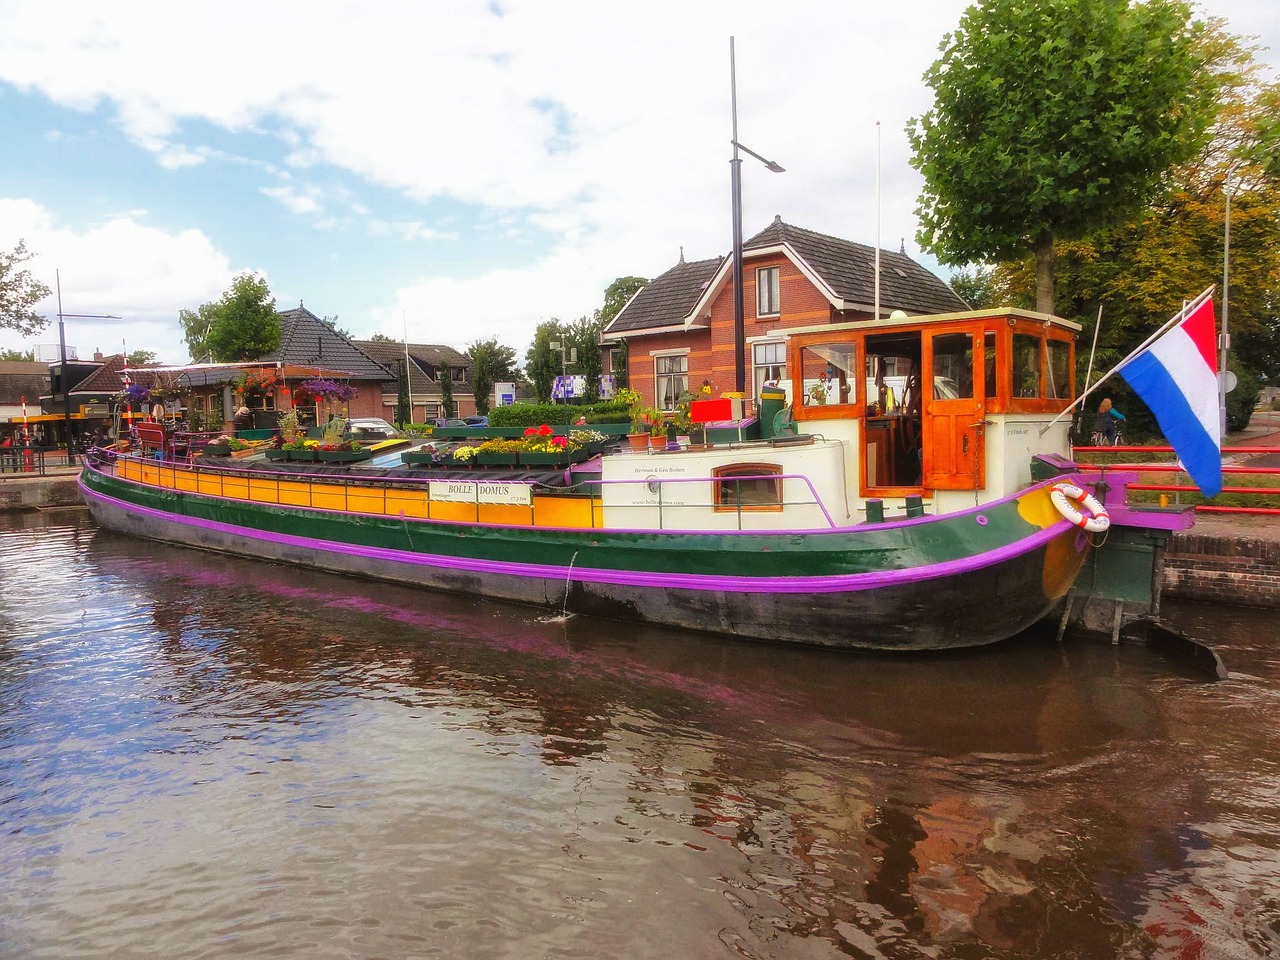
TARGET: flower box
(416,458)
(302,454)
(216,450)
(344,456)
(540,458)
(491,458)
(458,463)
(273,454)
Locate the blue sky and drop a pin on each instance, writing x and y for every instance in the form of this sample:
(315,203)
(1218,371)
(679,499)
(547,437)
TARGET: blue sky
(462,170)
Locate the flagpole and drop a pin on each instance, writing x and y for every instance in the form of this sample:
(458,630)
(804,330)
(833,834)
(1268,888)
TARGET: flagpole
(1225,338)
(1188,309)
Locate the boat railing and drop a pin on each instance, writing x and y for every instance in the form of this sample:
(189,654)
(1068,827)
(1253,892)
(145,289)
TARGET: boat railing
(578,505)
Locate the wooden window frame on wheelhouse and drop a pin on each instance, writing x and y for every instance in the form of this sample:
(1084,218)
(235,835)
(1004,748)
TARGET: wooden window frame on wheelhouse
(1001,326)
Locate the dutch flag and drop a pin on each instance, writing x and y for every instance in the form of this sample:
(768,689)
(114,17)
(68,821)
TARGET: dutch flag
(1177,378)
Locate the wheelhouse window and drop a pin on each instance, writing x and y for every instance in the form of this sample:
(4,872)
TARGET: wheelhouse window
(1059,369)
(671,379)
(769,366)
(748,486)
(829,372)
(989,367)
(953,366)
(1026,365)
(768,301)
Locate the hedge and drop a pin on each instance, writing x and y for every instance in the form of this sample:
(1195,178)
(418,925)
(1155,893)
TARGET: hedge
(535,414)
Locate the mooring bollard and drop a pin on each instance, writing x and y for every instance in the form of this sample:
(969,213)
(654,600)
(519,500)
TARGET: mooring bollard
(915,506)
(875,511)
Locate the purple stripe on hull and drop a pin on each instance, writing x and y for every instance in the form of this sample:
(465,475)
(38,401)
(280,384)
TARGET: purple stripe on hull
(846,583)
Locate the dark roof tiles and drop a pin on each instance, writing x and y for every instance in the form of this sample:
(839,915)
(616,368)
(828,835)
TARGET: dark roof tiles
(305,340)
(667,299)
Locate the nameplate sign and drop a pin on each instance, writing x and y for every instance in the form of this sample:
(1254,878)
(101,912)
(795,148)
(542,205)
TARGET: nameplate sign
(470,491)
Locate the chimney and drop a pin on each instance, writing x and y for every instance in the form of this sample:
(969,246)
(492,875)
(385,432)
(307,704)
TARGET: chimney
(97,355)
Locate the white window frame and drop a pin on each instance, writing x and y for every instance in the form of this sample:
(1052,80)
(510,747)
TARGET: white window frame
(658,377)
(768,292)
(756,379)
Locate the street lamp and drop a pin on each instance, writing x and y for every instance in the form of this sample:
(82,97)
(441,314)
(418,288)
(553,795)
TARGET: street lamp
(735,167)
(62,372)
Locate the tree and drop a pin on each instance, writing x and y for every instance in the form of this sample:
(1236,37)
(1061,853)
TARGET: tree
(20,292)
(616,296)
(140,358)
(491,363)
(404,407)
(19,355)
(979,288)
(1140,270)
(243,325)
(196,325)
(480,353)
(584,335)
(447,407)
(332,324)
(1052,119)
(383,338)
(542,364)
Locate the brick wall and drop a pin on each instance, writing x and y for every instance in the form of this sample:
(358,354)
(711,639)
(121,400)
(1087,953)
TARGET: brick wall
(1237,570)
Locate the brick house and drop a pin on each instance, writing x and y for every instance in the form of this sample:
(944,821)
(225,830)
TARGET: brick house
(678,330)
(429,364)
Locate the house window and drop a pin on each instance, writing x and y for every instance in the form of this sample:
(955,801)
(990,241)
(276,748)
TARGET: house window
(748,486)
(671,378)
(769,365)
(458,373)
(767,293)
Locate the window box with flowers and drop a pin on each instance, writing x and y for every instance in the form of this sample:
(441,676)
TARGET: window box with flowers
(350,452)
(319,389)
(499,453)
(257,384)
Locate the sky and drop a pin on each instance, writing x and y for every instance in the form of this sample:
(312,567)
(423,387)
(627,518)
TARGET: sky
(450,170)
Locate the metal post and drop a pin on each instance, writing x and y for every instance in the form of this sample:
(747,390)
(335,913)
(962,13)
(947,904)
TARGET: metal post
(62,375)
(735,188)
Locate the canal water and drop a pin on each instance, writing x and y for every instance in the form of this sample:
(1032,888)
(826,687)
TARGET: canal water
(203,757)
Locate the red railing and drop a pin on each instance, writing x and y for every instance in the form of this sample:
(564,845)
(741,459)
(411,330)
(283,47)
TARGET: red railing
(1180,488)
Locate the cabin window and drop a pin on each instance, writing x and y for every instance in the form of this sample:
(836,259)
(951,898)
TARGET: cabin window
(953,366)
(769,365)
(1026,365)
(1059,369)
(989,364)
(671,379)
(748,486)
(767,292)
(829,372)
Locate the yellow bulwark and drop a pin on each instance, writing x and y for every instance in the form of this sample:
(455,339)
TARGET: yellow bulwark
(378,499)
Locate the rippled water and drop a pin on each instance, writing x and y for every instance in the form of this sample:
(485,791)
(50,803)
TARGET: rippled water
(204,757)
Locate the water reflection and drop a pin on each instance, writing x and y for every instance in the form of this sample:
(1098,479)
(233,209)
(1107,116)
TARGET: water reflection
(210,755)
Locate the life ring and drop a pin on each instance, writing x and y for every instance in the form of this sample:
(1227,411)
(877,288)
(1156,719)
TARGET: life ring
(1094,516)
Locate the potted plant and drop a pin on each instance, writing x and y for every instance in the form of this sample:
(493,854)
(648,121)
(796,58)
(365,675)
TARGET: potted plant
(345,451)
(542,448)
(660,434)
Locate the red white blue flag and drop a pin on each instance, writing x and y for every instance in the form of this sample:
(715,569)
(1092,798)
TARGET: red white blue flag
(1177,378)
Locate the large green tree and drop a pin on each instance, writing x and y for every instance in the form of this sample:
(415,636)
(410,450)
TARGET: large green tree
(20,292)
(584,335)
(21,355)
(242,325)
(1052,119)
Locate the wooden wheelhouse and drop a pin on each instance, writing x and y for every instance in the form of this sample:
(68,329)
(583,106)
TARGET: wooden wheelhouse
(950,402)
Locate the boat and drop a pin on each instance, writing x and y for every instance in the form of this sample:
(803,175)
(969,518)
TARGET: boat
(850,509)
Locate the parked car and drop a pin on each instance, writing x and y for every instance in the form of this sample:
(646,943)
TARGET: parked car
(451,422)
(476,421)
(372,430)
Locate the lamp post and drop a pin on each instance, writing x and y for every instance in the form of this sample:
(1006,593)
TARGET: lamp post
(62,371)
(565,350)
(735,181)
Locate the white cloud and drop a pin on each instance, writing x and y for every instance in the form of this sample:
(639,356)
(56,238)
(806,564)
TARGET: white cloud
(603,127)
(122,268)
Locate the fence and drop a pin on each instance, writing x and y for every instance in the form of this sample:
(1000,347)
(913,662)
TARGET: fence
(1269,505)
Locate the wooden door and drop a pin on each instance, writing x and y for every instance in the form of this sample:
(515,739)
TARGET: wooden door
(953,410)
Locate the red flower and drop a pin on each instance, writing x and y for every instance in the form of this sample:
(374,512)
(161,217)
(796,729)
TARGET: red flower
(560,442)
(544,430)
(530,431)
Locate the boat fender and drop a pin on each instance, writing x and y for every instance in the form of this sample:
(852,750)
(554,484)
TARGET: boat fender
(1093,517)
